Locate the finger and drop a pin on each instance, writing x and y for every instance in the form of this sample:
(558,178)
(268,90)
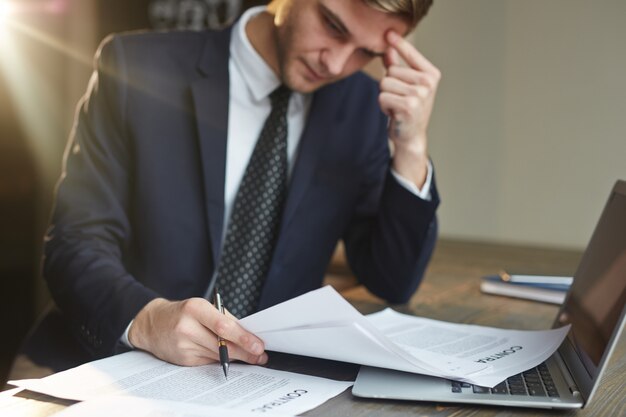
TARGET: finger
(201,355)
(236,353)
(399,87)
(194,337)
(388,102)
(204,343)
(411,76)
(227,327)
(423,92)
(229,314)
(400,107)
(395,86)
(412,95)
(409,53)
(238,326)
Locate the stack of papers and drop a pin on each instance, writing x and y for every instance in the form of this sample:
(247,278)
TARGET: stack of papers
(142,407)
(322,324)
(319,324)
(148,383)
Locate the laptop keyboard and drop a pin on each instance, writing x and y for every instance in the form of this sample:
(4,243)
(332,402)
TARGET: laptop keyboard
(536,382)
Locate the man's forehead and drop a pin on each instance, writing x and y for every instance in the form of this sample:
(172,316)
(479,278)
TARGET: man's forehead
(363,22)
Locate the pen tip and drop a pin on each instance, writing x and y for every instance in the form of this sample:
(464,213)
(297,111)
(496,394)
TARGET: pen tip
(225,367)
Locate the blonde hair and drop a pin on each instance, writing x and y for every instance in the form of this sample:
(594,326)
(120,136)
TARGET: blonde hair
(411,10)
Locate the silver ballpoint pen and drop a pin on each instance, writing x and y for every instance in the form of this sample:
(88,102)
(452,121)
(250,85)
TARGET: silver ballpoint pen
(221,343)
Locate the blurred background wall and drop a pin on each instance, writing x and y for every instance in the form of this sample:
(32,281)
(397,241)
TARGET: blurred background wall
(529,130)
(528,134)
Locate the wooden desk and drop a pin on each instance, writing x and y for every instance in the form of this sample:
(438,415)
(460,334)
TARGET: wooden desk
(449,292)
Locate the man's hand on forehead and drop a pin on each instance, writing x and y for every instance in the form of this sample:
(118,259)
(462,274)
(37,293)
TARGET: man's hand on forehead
(408,88)
(407,94)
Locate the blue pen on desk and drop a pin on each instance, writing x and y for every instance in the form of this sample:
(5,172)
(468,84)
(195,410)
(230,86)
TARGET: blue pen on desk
(221,343)
(539,280)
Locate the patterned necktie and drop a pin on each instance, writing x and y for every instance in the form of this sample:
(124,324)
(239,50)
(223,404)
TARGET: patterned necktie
(255,219)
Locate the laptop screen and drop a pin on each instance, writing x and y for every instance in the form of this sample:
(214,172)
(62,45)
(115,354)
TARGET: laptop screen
(597,296)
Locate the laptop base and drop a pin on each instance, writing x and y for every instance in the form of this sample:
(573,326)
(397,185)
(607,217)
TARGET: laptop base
(389,384)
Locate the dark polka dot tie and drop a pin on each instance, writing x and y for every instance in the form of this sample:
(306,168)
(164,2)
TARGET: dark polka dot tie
(255,219)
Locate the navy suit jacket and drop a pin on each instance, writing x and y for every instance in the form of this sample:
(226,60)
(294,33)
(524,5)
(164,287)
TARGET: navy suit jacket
(140,205)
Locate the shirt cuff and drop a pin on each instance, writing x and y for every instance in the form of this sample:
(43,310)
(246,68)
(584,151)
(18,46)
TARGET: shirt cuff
(424,193)
(124,337)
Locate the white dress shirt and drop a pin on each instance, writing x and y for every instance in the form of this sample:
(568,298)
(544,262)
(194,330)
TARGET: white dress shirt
(251,83)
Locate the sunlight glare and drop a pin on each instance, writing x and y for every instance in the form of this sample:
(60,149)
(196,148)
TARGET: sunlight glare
(4,13)
(4,10)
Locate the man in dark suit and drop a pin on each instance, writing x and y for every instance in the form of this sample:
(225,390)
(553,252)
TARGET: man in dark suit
(146,216)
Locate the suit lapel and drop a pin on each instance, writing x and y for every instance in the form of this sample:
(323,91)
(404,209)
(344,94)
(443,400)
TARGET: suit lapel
(325,112)
(210,99)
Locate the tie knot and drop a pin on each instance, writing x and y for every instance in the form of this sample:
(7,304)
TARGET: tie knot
(280,97)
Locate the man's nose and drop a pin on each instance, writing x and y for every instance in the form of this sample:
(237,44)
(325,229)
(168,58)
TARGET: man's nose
(335,59)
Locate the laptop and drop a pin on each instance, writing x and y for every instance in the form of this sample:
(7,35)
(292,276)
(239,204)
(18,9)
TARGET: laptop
(594,306)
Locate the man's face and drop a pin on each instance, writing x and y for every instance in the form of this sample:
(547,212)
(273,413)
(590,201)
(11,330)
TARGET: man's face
(323,41)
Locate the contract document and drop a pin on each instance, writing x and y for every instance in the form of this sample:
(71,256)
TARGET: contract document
(142,407)
(249,389)
(322,324)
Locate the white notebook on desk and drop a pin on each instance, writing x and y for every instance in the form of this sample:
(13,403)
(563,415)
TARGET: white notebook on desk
(492,284)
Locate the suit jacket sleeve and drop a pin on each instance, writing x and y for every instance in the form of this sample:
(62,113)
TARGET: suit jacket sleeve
(392,232)
(85,245)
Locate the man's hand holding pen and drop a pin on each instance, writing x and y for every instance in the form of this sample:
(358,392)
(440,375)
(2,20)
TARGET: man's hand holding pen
(186,333)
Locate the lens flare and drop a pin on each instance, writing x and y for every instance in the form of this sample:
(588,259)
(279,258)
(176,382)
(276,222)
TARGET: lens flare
(4,10)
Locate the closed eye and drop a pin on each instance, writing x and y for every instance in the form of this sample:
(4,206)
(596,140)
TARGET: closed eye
(337,29)
(370,54)
(332,23)
(332,26)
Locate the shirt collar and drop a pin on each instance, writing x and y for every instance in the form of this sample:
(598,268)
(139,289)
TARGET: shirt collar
(256,73)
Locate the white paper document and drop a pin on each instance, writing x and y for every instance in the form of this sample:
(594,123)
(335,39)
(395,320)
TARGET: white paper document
(508,352)
(248,388)
(143,407)
(322,324)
